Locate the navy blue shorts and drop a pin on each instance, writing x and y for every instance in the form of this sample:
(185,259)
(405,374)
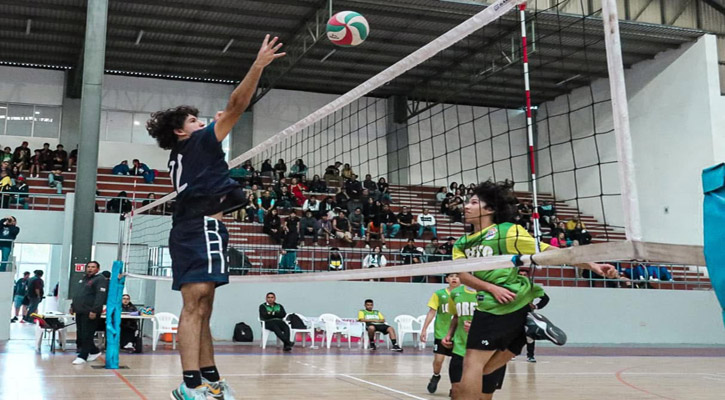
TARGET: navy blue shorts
(198,248)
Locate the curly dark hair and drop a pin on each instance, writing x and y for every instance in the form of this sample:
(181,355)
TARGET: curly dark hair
(162,124)
(499,197)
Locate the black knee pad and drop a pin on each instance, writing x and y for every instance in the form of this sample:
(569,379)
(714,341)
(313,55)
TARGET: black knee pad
(494,380)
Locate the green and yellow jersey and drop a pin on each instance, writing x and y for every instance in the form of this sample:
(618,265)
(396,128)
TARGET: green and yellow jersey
(439,302)
(462,303)
(495,240)
(373,315)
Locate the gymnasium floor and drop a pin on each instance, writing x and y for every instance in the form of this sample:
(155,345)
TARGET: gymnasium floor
(561,373)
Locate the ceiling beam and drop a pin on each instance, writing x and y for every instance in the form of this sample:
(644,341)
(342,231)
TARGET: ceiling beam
(717,6)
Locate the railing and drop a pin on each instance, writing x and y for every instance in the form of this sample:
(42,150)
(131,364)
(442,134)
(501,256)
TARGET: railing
(36,201)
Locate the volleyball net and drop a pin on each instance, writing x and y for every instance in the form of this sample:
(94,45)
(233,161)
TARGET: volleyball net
(517,93)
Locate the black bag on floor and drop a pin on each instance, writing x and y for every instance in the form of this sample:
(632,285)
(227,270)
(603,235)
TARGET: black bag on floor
(242,333)
(295,321)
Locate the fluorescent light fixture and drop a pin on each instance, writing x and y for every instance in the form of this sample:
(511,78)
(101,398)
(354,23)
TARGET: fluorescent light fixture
(138,37)
(227,46)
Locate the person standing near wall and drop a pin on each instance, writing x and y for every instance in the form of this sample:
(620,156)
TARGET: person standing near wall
(36,288)
(8,232)
(20,290)
(90,296)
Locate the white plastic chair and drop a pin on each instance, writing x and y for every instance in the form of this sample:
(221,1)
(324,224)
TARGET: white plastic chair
(431,328)
(405,326)
(332,324)
(309,330)
(266,333)
(164,322)
(376,336)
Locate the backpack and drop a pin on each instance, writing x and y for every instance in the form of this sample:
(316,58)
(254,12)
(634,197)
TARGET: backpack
(296,322)
(242,333)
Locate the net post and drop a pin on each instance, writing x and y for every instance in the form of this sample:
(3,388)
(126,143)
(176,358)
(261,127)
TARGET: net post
(620,117)
(530,128)
(113,315)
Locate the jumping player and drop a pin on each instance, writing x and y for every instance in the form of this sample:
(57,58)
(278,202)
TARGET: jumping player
(439,310)
(198,239)
(497,331)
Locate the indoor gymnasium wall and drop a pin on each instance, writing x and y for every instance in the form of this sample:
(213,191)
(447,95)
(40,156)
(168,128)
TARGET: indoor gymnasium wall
(676,121)
(613,316)
(450,143)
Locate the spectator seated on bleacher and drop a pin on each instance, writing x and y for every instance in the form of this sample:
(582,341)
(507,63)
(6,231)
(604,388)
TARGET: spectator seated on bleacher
(251,210)
(658,273)
(559,241)
(121,169)
(298,191)
(61,153)
(335,261)
(318,185)
(298,170)
(578,233)
(525,211)
(389,220)
(264,205)
(342,228)
(547,212)
(446,248)
(384,191)
(411,254)
(311,204)
(7,155)
(46,154)
(119,204)
(267,169)
(325,226)
(141,169)
(371,186)
(21,192)
(150,198)
(353,204)
(285,199)
(326,206)
(375,259)
(449,207)
(21,156)
(353,187)
(241,175)
(332,174)
(309,226)
(371,208)
(280,169)
(407,223)
(374,230)
(347,172)
(6,186)
(441,195)
(341,198)
(426,221)
(357,223)
(433,251)
(55,180)
(35,164)
(72,158)
(273,225)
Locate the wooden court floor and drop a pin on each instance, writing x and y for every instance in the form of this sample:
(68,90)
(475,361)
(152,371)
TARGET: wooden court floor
(561,373)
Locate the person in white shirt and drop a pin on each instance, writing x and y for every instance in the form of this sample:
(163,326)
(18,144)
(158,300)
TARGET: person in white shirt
(375,259)
(426,221)
(311,204)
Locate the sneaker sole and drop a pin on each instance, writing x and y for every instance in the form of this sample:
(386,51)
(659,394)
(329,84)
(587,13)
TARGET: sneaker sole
(551,331)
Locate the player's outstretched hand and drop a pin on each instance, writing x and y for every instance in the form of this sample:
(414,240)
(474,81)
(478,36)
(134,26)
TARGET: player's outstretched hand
(268,51)
(601,269)
(503,295)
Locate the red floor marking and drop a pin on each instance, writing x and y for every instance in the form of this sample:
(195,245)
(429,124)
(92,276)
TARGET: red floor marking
(620,379)
(124,380)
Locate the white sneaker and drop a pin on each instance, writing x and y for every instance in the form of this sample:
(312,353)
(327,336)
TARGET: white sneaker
(367,246)
(78,361)
(94,357)
(385,247)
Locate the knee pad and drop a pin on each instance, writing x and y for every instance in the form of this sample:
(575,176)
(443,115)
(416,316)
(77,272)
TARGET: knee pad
(494,380)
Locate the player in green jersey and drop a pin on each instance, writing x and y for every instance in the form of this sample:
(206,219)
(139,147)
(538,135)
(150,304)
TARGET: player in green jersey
(375,322)
(462,304)
(497,330)
(438,309)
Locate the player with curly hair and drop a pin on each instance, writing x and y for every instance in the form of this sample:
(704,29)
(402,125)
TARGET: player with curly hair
(198,239)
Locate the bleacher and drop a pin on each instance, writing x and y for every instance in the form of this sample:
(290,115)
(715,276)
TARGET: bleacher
(263,251)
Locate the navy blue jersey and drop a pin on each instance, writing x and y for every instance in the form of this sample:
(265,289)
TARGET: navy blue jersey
(199,174)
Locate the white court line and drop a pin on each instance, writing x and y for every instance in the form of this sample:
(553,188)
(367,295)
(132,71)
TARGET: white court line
(382,387)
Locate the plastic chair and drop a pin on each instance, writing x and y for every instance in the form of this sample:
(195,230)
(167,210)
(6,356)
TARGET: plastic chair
(405,326)
(164,322)
(47,326)
(309,330)
(266,333)
(376,336)
(431,328)
(332,324)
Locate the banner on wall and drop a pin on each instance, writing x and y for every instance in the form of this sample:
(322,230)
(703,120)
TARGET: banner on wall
(713,185)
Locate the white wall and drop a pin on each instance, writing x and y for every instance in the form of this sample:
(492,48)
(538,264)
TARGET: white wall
(467,144)
(6,297)
(631,316)
(677,120)
(31,86)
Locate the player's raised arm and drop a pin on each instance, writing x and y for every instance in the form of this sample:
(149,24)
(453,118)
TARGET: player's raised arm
(242,95)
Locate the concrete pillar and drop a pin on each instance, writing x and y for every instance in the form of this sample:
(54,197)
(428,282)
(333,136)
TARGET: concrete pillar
(90,121)
(70,128)
(396,139)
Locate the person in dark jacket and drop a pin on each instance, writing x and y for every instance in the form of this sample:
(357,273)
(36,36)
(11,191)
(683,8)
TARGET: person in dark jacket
(88,300)
(121,169)
(129,327)
(273,315)
(36,293)
(8,232)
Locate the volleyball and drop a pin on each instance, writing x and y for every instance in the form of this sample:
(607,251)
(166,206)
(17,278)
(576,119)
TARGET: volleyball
(347,29)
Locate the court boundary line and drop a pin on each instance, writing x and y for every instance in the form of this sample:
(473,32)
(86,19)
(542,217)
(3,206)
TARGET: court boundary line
(126,381)
(619,373)
(382,386)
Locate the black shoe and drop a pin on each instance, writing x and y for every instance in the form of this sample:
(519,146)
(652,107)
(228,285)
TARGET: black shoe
(372,346)
(15,319)
(397,348)
(433,384)
(288,347)
(538,327)
(531,359)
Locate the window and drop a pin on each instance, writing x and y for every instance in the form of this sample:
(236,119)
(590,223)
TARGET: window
(29,120)
(19,120)
(46,122)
